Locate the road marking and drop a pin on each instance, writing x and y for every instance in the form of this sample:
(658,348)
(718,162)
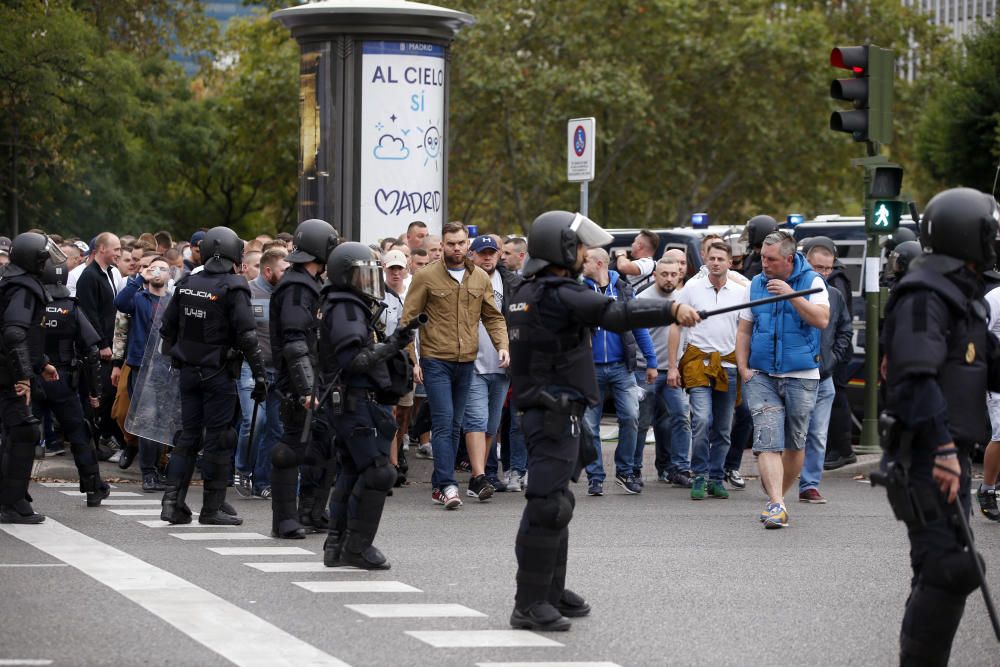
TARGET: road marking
(159,523)
(220,536)
(415,611)
(114,494)
(547,664)
(23,661)
(261,551)
(33,565)
(480,638)
(232,632)
(136,512)
(131,501)
(65,485)
(357,587)
(309,566)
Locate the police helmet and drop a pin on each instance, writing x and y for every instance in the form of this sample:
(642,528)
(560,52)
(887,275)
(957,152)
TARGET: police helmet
(757,229)
(221,250)
(30,250)
(352,267)
(902,255)
(54,279)
(314,240)
(961,224)
(824,242)
(901,235)
(555,236)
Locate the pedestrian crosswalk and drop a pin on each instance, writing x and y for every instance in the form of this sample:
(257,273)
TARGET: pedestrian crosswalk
(345,583)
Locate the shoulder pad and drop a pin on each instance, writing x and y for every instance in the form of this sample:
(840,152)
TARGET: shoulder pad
(925,279)
(293,277)
(26,281)
(333,295)
(239,283)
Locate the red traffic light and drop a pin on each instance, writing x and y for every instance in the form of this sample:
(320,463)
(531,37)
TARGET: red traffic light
(854,58)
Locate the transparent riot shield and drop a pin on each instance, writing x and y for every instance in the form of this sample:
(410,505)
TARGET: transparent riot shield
(155,411)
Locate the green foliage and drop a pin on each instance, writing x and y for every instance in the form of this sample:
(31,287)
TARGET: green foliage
(958,139)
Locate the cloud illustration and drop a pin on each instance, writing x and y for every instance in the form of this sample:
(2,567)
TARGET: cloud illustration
(391,148)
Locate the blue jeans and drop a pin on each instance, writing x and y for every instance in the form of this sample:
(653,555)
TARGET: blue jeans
(149,450)
(622,385)
(518,445)
(812,466)
(679,420)
(447,385)
(482,411)
(781,409)
(267,432)
(647,414)
(711,425)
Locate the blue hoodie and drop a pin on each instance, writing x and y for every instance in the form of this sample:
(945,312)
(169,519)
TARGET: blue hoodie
(610,347)
(141,306)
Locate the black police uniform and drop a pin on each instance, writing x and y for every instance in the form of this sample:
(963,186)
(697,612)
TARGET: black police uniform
(552,375)
(361,370)
(940,361)
(71,346)
(294,322)
(207,319)
(22,356)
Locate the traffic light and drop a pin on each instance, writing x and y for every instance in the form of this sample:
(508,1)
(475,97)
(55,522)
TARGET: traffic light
(870,91)
(885,216)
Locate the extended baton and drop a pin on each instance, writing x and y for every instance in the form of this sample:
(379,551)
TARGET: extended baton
(970,544)
(759,302)
(253,426)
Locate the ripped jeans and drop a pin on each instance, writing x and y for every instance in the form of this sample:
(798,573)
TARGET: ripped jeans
(781,409)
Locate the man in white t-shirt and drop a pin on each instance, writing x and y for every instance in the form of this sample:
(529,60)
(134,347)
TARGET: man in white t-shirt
(778,357)
(638,270)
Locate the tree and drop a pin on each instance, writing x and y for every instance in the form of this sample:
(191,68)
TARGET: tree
(958,140)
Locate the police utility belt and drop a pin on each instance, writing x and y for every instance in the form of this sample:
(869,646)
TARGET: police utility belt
(560,410)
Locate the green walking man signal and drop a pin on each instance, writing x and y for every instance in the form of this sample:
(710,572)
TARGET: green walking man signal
(885,216)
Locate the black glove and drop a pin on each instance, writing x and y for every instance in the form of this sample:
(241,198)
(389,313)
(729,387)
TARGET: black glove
(259,391)
(401,337)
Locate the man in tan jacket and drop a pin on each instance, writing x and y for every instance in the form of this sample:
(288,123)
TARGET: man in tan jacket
(456,295)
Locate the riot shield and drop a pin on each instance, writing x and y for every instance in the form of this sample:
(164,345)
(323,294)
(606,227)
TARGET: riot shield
(155,411)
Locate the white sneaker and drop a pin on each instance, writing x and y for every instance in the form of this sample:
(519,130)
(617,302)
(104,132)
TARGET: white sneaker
(451,499)
(406,442)
(513,481)
(424,451)
(116,457)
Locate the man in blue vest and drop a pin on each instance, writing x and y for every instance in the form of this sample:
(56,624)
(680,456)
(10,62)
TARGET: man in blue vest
(778,357)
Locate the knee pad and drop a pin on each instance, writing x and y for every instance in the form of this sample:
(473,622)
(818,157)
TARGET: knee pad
(953,571)
(284,456)
(25,434)
(379,477)
(219,445)
(553,512)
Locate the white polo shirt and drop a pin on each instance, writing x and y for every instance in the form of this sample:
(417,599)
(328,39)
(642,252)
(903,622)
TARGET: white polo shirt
(717,333)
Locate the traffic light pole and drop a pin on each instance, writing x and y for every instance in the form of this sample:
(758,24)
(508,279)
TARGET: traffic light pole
(869,443)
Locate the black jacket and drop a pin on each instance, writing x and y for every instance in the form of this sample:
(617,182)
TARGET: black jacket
(96,297)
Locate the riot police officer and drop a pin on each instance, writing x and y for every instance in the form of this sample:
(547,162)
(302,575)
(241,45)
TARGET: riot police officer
(900,259)
(368,378)
(941,360)
(207,319)
(71,346)
(22,360)
(294,310)
(552,374)
(756,230)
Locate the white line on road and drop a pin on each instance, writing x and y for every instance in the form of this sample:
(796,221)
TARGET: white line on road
(261,551)
(415,611)
(220,536)
(221,626)
(309,566)
(357,587)
(114,494)
(158,523)
(65,485)
(23,661)
(32,565)
(480,638)
(131,501)
(547,664)
(135,512)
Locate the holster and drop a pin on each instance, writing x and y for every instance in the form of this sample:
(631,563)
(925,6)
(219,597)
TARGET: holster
(913,504)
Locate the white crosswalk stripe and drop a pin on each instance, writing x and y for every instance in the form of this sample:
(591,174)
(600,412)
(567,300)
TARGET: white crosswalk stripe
(357,587)
(114,494)
(481,638)
(308,566)
(547,664)
(65,485)
(415,611)
(220,536)
(136,512)
(135,502)
(159,523)
(261,551)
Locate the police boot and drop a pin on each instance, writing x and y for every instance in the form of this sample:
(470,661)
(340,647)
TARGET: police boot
(95,489)
(20,512)
(929,625)
(312,516)
(331,548)
(211,510)
(566,601)
(359,551)
(541,616)
(284,524)
(228,509)
(173,508)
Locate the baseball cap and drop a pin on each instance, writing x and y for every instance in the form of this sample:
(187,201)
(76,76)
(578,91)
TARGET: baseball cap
(481,243)
(196,238)
(4,245)
(394,258)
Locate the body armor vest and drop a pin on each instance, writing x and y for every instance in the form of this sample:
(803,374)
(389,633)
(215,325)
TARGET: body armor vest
(205,336)
(543,359)
(28,290)
(391,378)
(61,331)
(301,288)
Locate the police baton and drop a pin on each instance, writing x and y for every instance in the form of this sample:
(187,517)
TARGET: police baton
(970,545)
(759,302)
(253,427)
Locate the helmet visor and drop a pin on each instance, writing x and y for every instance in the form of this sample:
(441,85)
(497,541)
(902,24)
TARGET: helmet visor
(55,254)
(366,278)
(589,232)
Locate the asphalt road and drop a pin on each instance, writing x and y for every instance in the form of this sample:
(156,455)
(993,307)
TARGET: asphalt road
(671,581)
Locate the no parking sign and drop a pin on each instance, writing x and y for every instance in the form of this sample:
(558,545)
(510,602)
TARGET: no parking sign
(580,134)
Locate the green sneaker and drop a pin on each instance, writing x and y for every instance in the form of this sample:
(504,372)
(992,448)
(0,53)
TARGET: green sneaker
(716,490)
(698,488)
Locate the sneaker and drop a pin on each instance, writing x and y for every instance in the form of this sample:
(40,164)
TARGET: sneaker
(812,496)
(988,503)
(263,493)
(151,483)
(513,482)
(627,482)
(840,462)
(243,483)
(698,488)
(498,484)
(681,479)
(479,487)
(717,490)
(663,476)
(463,466)
(450,497)
(764,513)
(735,479)
(595,488)
(437,497)
(637,476)
(777,516)
(55,449)
(126,457)
(424,451)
